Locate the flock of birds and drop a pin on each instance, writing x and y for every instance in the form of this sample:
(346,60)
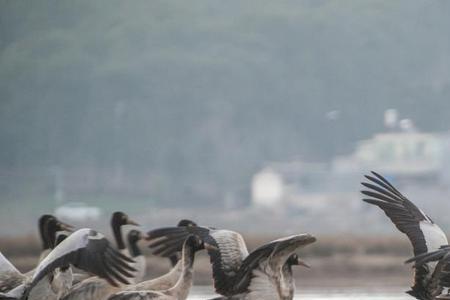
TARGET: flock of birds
(84,264)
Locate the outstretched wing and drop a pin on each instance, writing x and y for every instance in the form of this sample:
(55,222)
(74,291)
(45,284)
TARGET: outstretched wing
(10,277)
(423,233)
(225,261)
(277,252)
(90,251)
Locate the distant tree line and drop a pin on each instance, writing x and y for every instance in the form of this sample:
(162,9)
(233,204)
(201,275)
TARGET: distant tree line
(202,93)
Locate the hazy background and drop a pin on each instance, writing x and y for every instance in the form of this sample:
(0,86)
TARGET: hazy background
(167,109)
(257,116)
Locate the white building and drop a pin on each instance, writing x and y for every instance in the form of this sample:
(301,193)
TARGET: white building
(401,154)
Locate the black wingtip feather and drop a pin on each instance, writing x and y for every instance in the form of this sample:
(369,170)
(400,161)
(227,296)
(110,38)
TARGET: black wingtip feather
(385,181)
(165,231)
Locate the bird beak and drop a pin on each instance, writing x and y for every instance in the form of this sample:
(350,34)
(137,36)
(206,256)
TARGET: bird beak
(65,226)
(210,247)
(144,236)
(303,264)
(131,222)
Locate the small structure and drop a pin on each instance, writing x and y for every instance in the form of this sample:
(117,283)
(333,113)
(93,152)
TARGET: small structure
(401,151)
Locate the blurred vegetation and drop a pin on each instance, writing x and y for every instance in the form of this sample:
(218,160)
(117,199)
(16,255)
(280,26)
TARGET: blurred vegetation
(343,260)
(198,95)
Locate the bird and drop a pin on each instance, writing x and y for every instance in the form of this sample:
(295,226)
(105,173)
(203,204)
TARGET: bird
(96,288)
(230,258)
(425,235)
(441,275)
(180,290)
(175,257)
(169,279)
(133,237)
(10,277)
(85,249)
(48,226)
(225,262)
(119,219)
(267,272)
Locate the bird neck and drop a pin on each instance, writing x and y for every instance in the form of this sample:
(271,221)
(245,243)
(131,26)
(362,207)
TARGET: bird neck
(44,238)
(287,284)
(51,235)
(173,260)
(187,257)
(286,270)
(134,249)
(181,289)
(117,231)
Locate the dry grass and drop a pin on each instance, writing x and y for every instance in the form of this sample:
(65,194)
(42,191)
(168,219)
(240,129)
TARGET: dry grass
(336,260)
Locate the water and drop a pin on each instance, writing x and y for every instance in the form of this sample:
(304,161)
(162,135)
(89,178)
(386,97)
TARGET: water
(322,294)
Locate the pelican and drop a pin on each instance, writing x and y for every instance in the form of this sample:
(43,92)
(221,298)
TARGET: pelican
(424,235)
(231,263)
(85,249)
(180,290)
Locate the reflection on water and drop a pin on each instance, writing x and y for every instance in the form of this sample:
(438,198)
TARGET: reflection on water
(319,294)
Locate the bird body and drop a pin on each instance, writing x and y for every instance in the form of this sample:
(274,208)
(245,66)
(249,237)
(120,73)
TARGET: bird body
(119,219)
(163,282)
(262,285)
(266,273)
(433,235)
(236,273)
(94,288)
(169,279)
(133,237)
(85,249)
(181,288)
(425,235)
(267,284)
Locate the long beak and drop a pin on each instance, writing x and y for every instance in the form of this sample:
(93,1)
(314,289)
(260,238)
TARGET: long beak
(65,226)
(210,247)
(131,222)
(302,263)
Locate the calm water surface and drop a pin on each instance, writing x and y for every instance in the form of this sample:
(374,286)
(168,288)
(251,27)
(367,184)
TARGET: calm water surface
(335,294)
